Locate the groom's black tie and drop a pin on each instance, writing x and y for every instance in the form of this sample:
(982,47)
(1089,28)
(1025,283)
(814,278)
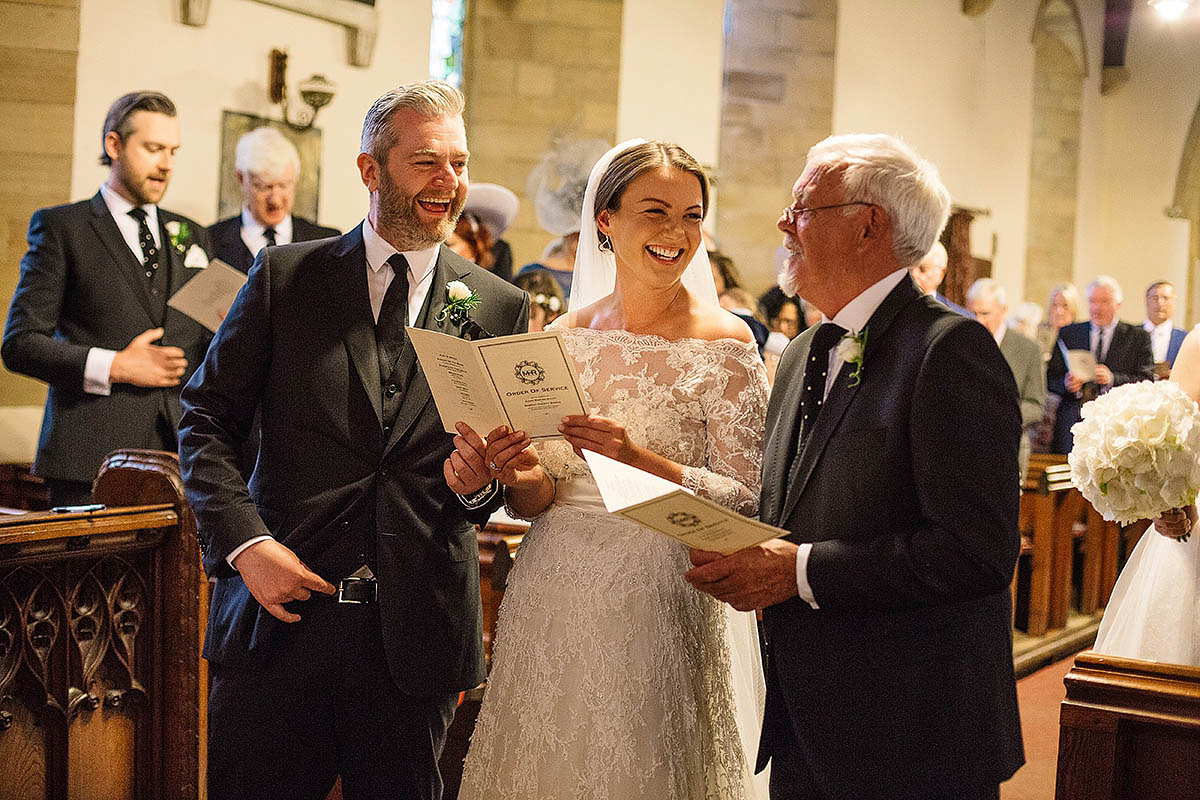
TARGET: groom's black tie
(393,316)
(812,395)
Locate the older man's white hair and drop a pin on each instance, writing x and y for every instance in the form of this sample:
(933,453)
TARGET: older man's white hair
(884,171)
(266,153)
(986,289)
(1109,283)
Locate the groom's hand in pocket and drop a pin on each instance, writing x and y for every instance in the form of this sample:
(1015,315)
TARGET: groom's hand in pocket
(753,578)
(275,575)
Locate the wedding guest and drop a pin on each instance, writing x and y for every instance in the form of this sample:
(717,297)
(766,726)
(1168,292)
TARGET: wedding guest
(929,273)
(1025,319)
(557,185)
(1062,309)
(546,302)
(987,300)
(268,165)
(612,678)
(490,209)
(727,280)
(90,317)
(783,313)
(886,610)
(345,617)
(1121,352)
(1165,338)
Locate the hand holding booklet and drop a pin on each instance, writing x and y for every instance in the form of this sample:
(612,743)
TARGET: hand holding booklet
(526,381)
(672,510)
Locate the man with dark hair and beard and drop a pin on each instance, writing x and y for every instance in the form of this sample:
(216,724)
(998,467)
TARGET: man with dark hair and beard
(346,614)
(90,317)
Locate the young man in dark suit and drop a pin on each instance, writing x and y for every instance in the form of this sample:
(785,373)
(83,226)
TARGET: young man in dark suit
(1165,338)
(1122,354)
(267,167)
(346,614)
(90,317)
(891,451)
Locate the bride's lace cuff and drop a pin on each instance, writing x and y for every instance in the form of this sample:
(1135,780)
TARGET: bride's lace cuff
(508,509)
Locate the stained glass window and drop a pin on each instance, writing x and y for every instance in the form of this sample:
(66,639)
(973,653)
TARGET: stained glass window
(446,41)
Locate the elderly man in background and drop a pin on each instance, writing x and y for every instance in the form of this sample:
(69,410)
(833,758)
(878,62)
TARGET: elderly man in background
(988,301)
(267,168)
(929,273)
(90,315)
(886,608)
(1121,352)
(1165,338)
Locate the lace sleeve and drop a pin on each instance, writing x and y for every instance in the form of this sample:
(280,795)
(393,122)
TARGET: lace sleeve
(735,410)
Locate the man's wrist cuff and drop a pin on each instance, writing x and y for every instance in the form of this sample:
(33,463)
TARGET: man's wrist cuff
(479,498)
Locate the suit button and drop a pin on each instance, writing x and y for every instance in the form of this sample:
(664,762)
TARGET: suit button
(387,429)
(391,389)
(383,471)
(345,523)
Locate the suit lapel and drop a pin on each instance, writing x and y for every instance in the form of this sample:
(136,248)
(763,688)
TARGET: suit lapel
(416,393)
(841,394)
(110,236)
(355,304)
(782,438)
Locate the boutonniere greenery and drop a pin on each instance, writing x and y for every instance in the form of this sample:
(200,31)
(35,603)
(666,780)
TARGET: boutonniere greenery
(460,300)
(181,235)
(850,350)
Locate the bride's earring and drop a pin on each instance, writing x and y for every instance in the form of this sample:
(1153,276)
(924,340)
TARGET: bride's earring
(605,242)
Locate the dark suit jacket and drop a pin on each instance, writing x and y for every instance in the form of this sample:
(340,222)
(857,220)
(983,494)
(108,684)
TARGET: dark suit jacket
(904,676)
(82,287)
(1129,357)
(228,246)
(1024,357)
(331,483)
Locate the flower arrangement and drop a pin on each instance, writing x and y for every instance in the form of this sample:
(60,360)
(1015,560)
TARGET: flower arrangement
(193,254)
(850,349)
(460,300)
(1137,451)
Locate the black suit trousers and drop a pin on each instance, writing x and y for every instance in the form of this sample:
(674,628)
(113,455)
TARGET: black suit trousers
(319,704)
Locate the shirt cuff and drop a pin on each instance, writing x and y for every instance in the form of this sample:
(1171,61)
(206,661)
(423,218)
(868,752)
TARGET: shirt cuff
(481,497)
(96,369)
(806,592)
(237,551)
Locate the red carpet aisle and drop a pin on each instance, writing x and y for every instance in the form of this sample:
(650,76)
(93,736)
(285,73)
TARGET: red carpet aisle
(1039,696)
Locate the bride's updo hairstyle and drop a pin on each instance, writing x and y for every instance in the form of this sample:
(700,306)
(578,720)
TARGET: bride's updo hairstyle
(630,164)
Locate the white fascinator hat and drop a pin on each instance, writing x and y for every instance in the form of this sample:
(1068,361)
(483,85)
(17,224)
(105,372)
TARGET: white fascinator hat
(495,206)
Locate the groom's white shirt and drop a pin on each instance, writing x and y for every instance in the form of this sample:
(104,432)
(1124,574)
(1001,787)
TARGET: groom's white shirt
(853,317)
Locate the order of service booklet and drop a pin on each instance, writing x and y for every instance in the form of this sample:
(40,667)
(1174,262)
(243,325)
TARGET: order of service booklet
(207,297)
(670,509)
(525,381)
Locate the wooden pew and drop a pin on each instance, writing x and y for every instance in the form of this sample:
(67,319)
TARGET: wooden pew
(1129,730)
(1049,507)
(100,668)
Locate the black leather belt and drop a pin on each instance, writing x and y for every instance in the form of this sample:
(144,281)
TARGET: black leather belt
(357,590)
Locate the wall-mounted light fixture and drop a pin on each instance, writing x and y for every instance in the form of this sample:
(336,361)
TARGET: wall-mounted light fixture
(1170,9)
(316,92)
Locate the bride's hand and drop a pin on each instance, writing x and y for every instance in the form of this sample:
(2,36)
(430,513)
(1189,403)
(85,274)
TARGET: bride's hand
(511,458)
(600,435)
(1177,523)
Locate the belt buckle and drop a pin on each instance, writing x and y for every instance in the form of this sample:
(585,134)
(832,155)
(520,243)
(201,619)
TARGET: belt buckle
(352,581)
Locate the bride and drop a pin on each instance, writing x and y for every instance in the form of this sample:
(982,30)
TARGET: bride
(611,677)
(1154,611)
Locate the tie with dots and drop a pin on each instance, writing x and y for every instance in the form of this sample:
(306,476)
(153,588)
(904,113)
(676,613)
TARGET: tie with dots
(269,233)
(146,240)
(812,395)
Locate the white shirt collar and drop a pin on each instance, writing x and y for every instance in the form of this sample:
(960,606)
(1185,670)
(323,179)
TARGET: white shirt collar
(254,228)
(999,337)
(119,207)
(855,314)
(1166,325)
(379,250)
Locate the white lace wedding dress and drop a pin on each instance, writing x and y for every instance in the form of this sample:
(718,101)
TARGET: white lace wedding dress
(1154,611)
(611,677)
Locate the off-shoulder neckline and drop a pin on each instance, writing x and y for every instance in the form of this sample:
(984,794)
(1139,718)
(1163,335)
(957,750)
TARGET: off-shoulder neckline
(620,332)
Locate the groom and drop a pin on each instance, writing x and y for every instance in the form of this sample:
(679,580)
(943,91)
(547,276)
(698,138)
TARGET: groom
(890,461)
(345,617)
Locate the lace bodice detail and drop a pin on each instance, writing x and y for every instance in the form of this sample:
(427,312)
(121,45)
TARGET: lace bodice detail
(699,403)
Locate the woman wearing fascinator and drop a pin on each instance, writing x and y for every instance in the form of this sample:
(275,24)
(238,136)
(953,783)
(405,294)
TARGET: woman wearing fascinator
(611,677)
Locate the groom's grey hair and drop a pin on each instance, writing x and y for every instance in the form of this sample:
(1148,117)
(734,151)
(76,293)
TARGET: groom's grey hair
(432,99)
(884,171)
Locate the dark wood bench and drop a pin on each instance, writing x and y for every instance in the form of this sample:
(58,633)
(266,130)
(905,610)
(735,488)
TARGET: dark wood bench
(1049,507)
(1129,730)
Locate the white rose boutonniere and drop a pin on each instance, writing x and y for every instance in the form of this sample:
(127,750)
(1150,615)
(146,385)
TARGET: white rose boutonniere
(850,350)
(460,299)
(196,258)
(181,235)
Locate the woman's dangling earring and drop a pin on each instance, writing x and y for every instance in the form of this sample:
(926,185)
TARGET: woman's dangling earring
(605,243)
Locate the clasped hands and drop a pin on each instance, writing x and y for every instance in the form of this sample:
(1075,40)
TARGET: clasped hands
(1104,377)
(1176,523)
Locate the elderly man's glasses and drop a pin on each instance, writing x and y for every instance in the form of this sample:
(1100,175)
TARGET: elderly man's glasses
(792,214)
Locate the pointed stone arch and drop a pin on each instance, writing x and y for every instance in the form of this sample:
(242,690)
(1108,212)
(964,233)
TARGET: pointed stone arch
(1060,66)
(1186,205)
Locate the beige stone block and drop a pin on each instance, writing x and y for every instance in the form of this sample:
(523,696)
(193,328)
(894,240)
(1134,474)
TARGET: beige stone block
(766,86)
(493,76)
(45,76)
(39,27)
(604,48)
(39,128)
(605,14)
(558,44)
(535,80)
(593,83)
(505,38)
(19,171)
(814,35)
(529,10)
(598,116)
(755,25)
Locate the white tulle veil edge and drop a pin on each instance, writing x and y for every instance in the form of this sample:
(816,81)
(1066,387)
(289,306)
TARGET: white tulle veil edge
(596,269)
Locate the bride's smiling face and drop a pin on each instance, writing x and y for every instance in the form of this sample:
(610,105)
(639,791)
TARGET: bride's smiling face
(656,229)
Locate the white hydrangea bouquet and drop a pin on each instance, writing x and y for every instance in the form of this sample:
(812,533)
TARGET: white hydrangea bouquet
(1137,451)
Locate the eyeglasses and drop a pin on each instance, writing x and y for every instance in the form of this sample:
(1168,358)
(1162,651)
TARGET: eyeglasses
(264,187)
(792,214)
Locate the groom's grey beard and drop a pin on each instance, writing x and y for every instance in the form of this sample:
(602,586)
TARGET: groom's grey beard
(402,227)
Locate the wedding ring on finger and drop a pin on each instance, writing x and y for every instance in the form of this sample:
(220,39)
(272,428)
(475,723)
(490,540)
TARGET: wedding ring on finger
(492,466)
